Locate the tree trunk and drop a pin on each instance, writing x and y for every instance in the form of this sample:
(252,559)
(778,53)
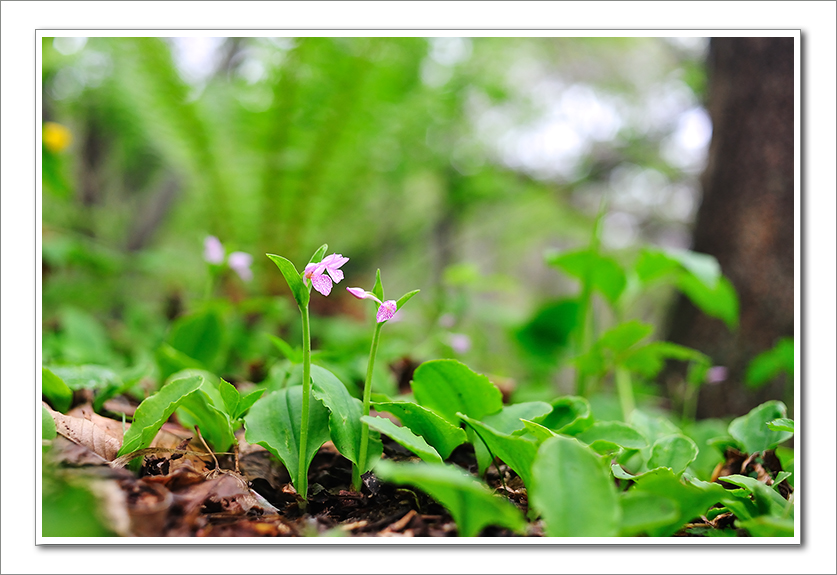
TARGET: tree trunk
(746,219)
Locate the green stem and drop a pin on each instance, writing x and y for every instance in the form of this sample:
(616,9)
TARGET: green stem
(626,392)
(302,479)
(367,395)
(583,337)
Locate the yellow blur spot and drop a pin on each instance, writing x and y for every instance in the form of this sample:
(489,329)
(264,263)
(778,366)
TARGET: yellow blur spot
(56,137)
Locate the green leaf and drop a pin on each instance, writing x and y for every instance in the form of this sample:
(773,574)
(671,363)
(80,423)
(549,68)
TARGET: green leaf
(198,410)
(600,272)
(378,289)
(516,451)
(674,451)
(230,397)
(570,415)
(294,355)
(247,402)
(153,412)
(508,419)
(752,432)
(48,430)
(605,434)
(399,303)
(649,359)
(767,526)
(574,491)
(344,422)
(537,431)
(471,504)
(548,332)
(318,255)
(171,361)
(294,279)
(198,335)
(404,437)
(643,511)
(437,431)
(768,365)
(781,424)
(274,423)
(767,500)
(95,377)
(720,302)
(447,386)
(692,500)
(58,393)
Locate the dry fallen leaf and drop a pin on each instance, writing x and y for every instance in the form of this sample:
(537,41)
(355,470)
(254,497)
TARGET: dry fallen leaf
(101,435)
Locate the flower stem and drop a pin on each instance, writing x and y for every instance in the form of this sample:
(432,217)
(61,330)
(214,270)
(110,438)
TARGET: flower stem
(357,469)
(625,391)
(302,479)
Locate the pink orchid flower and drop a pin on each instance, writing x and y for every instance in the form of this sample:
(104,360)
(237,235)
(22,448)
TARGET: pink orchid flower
(213,250)
(387,309)
(240,263)
(319,273)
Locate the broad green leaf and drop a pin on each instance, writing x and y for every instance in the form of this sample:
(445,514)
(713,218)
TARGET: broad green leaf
(95,377)
(752,432)
(692,499)
(720,302)
(767,526)
(652,427)
(198,410)
(294,279)
(600,272)
(437,431)
(508,419)
(643,511)
(198,335)
(702,266)
(59,395)
(516,451)
(153,412)
(404,437)
(399,303)
(378,288)
(701,432)
(447,386)
(570,415)
(786,459)
(771,363)
(649,359)
(548,332)
(574,491)
(781,424)
(345,412)
(274,423)
(625,335)
(538,431)
(602,434)
(84,338)
(247,402)
(767,500)
(48,430)
(471,504)
(230,397)
(673,451)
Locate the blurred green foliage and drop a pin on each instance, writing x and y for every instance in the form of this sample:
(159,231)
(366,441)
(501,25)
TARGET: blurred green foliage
(452,164)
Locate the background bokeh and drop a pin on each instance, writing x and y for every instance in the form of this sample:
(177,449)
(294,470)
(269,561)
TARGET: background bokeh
(452,164)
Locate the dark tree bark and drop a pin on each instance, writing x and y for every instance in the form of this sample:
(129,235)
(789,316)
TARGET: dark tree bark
(746,219)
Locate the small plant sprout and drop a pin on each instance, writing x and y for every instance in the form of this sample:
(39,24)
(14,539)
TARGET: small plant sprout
(314,275)
(386,311)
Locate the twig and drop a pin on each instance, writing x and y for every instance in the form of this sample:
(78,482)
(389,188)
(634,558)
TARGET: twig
(217,465)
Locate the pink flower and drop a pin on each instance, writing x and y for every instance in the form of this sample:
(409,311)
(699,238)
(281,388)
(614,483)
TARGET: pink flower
(459,342)
(213,251)
(317,272)
(387,309)
(240,263)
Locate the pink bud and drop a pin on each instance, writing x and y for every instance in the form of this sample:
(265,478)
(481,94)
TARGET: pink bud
(359,293)
(240,263)
(213,250)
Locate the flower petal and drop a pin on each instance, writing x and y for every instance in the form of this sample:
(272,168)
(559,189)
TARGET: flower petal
(359,293)
(322,283)
(336,275)
(386,311)
(240,262)
(213,250)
